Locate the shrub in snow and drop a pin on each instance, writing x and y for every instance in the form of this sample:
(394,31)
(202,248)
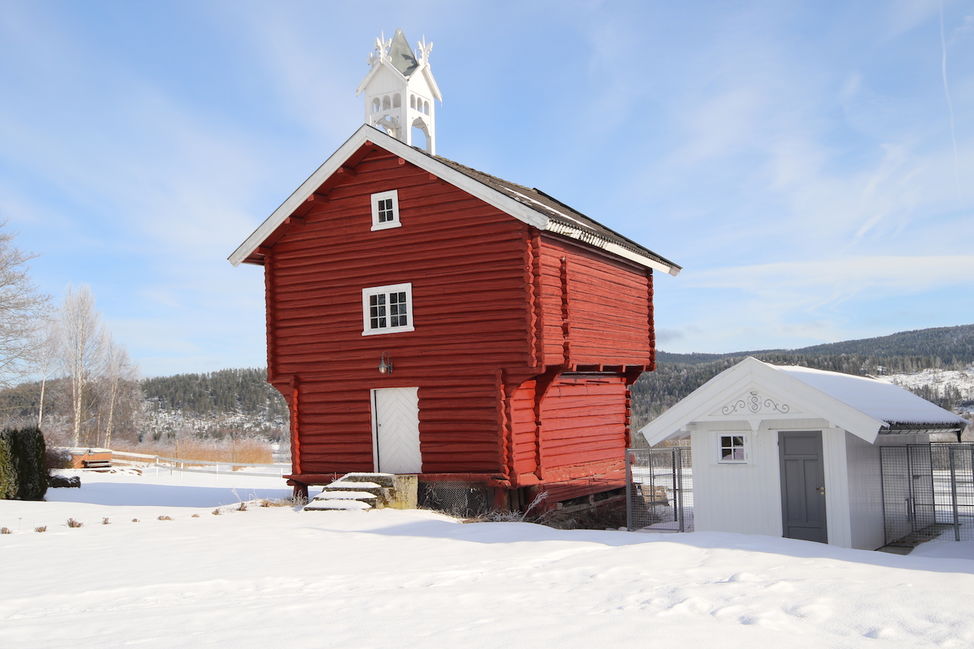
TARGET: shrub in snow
(42,528)
(74,523)
(165,518)
(57,481)
(6,530)
(57,458)
(23,472)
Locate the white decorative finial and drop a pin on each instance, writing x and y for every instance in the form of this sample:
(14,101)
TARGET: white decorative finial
(381,49)
(423,50)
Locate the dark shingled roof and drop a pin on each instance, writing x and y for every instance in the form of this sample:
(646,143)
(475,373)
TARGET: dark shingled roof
(560,214)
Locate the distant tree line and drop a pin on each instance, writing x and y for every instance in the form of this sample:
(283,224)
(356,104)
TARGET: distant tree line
(241,391)
(231,403)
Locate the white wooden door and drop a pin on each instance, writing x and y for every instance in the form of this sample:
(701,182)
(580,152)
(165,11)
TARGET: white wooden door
(395,426)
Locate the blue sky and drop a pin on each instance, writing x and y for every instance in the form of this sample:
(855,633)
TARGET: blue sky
(805,162)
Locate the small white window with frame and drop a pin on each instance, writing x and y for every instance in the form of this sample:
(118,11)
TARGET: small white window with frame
(387,309)
(732,448)
(385,210)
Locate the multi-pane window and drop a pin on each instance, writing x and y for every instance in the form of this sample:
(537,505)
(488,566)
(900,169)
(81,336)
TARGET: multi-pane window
(387,309)
(732,448)
(385,210)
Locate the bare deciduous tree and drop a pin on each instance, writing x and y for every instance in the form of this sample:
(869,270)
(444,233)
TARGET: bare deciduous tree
(119,373)
(22,310)
(45,357)
(80,336)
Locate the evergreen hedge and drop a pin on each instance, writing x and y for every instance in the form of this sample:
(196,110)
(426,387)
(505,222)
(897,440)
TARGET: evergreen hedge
(23,474)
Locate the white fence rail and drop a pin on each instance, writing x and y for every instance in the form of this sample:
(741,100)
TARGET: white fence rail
(195,466)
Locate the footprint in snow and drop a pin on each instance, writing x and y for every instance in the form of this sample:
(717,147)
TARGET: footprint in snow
(879,633)
(742,577)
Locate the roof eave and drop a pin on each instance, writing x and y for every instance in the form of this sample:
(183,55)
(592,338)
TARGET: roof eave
(430,164)
(593,239)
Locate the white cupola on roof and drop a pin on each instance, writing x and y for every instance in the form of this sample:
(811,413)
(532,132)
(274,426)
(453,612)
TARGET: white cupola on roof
(400,92)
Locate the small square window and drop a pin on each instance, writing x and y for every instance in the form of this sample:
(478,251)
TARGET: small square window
(385,210)
(387,309)
(732,449)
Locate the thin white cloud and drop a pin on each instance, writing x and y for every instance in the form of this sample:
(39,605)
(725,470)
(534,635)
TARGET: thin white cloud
(829,280)
(720,126)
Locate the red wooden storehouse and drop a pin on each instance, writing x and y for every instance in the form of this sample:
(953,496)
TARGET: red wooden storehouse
(424,317)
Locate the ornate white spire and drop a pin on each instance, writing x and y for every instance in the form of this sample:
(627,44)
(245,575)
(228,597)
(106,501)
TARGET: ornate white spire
(400,92)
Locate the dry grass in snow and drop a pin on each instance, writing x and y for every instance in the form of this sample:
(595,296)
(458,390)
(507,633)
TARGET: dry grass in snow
(246,451)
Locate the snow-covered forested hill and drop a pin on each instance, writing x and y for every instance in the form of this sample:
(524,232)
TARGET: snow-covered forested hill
(955,387)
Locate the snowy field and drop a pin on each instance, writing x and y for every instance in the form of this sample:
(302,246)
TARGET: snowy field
(275,577)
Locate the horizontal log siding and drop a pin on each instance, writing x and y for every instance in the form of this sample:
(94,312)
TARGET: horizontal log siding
(524,429)
(583,420)
(608,308)
(465,260)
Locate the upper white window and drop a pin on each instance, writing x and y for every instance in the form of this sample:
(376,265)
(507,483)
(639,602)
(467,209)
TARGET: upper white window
(387,309)
(385,210)
(732,449)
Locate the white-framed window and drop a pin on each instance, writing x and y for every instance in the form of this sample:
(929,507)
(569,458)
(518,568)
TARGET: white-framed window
(385,210)
(387,309)
(732,448)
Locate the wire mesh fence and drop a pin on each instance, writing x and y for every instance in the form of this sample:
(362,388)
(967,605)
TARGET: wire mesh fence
(659,489)
(928,492)
(454,498)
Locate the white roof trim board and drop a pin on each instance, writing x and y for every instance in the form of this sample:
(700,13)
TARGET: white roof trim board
(863,406)
(489,195)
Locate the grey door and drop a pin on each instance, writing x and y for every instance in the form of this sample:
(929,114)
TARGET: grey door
(802,486)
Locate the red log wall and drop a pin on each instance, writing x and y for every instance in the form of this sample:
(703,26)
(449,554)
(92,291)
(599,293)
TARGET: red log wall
(596,310)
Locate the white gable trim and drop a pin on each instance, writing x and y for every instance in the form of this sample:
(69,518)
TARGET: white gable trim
(428,75)
(491,196)
(374,71)
(752,373)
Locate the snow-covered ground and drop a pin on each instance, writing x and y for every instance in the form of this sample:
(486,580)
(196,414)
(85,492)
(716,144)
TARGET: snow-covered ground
(276,577)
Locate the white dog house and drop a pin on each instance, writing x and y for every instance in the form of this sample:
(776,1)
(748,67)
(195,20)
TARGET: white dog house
(792,451)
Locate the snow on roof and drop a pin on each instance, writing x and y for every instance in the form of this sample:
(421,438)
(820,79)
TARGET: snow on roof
(880,400)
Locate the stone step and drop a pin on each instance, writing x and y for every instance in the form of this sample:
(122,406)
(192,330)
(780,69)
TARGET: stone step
(337,505)
(343,485)
(338,494)
(385,479)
